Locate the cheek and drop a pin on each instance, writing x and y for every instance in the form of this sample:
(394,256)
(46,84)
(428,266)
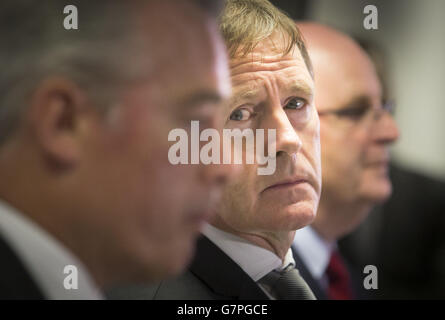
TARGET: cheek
(239,197)
(153,187)
(359,145)
(332,147)
(310,136)
(175,195)
(341,149)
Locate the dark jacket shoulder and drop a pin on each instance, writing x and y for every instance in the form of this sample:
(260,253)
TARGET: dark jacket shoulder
(212,275)
(15,281)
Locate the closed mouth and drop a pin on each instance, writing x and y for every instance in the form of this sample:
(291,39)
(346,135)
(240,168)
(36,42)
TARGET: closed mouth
(285,184)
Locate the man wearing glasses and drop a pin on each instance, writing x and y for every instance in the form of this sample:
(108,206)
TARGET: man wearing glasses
(356,129)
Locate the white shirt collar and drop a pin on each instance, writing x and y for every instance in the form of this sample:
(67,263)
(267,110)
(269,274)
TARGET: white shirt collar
(313,250)
(254,260)
(44,257)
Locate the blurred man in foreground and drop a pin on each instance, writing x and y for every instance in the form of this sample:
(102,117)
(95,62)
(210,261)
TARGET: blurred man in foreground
(356,130)
(86,185)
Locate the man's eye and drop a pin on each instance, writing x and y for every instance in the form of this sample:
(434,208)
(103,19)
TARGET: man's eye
(295,103)
(240,115)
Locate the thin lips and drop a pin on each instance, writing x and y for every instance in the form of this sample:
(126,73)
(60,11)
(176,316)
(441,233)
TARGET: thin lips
(287,182)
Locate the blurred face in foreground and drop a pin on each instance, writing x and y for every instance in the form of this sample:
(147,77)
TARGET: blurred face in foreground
(102,181)
(154,209)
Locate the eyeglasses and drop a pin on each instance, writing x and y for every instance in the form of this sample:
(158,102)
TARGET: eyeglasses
(362,111)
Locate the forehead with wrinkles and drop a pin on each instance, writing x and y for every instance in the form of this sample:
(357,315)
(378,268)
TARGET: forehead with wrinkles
(266,64)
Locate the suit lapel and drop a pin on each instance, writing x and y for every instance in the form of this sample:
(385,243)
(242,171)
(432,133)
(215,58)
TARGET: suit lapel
(315,286)
(222,275)
(15,281)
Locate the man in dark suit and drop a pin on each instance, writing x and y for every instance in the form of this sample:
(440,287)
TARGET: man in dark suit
(18,284)
(213,275)
(356,131)
(245,249)
(86,187)
(404,238)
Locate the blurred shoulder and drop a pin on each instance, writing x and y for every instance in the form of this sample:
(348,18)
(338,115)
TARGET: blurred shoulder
(184,287)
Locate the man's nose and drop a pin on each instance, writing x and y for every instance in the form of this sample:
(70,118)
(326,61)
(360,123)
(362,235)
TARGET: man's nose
(386,130)
(287,139)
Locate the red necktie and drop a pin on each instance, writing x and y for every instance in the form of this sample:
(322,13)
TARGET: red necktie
(339,279)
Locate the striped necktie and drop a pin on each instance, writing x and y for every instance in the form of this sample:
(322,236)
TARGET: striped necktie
(287,285)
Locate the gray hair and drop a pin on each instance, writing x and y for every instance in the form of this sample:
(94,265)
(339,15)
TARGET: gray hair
(35,45)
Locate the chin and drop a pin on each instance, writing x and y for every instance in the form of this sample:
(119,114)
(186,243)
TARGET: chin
(379,191)
(298,215)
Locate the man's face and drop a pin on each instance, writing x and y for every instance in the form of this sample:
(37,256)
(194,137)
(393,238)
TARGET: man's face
(272,91)
(153,210)
(355,138)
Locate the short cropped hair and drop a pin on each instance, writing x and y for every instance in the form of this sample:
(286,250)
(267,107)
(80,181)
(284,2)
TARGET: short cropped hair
(245,23)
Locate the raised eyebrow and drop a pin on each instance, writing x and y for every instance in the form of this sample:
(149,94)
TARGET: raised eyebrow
(302,87)
(243,95)
(299,87)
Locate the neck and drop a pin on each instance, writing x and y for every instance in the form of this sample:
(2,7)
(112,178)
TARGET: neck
(43,203)
(277,242)
(51,217)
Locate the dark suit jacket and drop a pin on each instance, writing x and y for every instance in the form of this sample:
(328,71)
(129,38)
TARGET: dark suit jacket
(315,286)
(405,239)
(211,276)
(358,290)
(15,281)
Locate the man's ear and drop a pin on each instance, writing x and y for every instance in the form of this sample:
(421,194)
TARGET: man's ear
(56,113)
